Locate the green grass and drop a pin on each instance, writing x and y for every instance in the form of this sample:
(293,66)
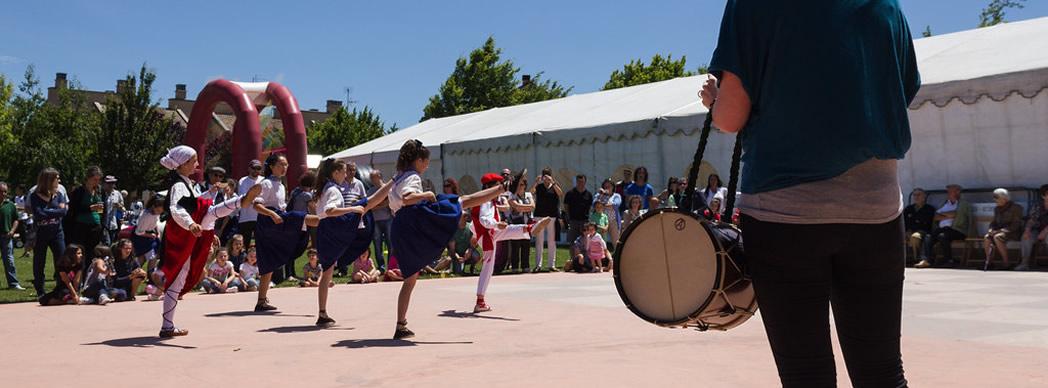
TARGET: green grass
(24,266)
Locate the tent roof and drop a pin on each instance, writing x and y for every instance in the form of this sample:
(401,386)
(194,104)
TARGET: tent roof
(994,61)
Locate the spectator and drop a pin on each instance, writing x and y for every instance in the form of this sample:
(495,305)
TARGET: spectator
(8,226)
(215,184)
(600,219)
(713,189)
(249,269)
(221,276)
(49,207)
(522,204)
(713,211)
(393,273)
(68,270)
(353,191)
(1007,226)
(918,220)
(502,246)
(84,219)
(364,271)
(248,215)
(299,200)
(98,284)
(590,251)
(311,271)
(547,195)
(462,249)
(146,237)
(633,212)
(128,274)
(612,203)
(226,227)
(383,220)
(954,219)
(578,201)
(25,219)
(1036,228)
(641,187)
(620,186)
(671,196)
(237,251)
(113,211)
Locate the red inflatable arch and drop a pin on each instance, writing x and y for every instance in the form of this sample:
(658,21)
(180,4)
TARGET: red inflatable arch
(246,98)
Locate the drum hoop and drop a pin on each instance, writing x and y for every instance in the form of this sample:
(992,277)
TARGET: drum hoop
(718,281)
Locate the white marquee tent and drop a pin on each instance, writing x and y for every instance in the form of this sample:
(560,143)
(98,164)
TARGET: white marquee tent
(980,120)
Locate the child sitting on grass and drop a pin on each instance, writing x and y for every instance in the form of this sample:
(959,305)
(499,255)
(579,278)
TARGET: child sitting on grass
(100,274)
(249,270)
(129,275)
(67,277)
(311,271)
(364,270)
(221,277)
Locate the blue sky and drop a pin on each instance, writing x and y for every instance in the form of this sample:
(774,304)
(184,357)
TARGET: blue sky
(393,54)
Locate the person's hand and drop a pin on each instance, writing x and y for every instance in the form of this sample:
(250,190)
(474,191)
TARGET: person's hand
(76,299)
(357,209)
(11,234)
(276,219)
(709,91)
(1027,235)
(503,225)
(431,196)
(196,230)
(61,205)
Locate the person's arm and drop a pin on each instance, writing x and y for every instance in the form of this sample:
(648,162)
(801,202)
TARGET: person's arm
(14,226)
(616,200)
(487,217)
(42,209)
(64,278)
(480,197)
(732,108)
(378,199)
(179,213)
(556,187)
(259,204)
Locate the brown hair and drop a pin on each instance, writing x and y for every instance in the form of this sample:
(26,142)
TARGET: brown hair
(46,180)
(411,151)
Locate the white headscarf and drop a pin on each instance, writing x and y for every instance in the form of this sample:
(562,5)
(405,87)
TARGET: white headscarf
(177,156)
(1003,193)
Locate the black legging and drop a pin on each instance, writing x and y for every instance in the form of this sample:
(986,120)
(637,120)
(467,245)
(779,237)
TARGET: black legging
(800,271)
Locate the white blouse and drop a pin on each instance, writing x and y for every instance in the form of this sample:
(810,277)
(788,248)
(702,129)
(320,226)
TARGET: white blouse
(330,199)
(147,222)
(409,184)
(176,193)
(273,194)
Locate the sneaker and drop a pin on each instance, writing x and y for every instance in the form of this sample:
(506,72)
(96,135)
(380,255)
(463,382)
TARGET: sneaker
(263,305)
(403,333)
(292,279)
(554,269)
(1021,267)
(17,287)
(171,333)
(104,300)
(231,290)
(922,264)
(86,300)
(481,307)
(325,322)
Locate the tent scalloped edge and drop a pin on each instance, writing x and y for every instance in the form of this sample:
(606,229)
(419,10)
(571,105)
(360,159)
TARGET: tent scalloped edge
(571,142)
(975,100)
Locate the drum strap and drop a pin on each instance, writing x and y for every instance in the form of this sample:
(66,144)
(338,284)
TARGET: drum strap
(693,173)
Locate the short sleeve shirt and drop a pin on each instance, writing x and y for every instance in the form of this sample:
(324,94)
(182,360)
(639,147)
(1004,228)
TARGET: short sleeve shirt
(829,82)
(547,203)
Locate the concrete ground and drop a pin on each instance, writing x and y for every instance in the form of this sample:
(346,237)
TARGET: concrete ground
(961,329)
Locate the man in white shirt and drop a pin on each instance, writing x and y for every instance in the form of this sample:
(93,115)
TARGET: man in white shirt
(248,215)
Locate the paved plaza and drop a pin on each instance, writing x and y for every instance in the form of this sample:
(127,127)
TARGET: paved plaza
(961,329)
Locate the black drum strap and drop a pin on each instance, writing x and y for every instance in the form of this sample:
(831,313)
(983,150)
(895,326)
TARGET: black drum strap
(693,173)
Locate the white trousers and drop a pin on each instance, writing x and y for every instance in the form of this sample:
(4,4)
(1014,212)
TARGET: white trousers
(512,232)
(171,297)
(548,237)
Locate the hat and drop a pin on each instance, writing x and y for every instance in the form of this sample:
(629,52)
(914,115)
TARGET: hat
(218,169)
(254,163)
(177,156)
(110,179)
(490,177)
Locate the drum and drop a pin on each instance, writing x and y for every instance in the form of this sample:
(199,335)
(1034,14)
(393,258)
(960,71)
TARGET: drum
(675,269)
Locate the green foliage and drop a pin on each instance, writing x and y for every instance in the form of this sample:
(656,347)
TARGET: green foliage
(344,129)
(994,12)
(483,81)
(660,69)
(62,135)
(135,134)
(7,117)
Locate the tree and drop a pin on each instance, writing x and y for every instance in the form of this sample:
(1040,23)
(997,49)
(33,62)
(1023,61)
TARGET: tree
(483,81)
(7,136)
(638,73)
(135,134)
(62,135)
(344,129)
(994,12)
(927,31)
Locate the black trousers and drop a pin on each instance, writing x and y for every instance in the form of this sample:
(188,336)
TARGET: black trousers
(800,272)
(520,254)
(247,229)
(946,236)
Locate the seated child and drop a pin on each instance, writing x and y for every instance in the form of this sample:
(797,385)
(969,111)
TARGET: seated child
(98,283)
(67,276)
(221,277)
(393,273)
(249,270)
(364,270)
(311,271)
(590,252)
(128,274)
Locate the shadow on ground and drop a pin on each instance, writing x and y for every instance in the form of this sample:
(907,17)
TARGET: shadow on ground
(391,343)
(467,314)
(141,342)
(252,313)
(300,329)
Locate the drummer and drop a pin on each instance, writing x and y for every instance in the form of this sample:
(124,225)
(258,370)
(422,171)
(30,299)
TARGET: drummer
(822,202)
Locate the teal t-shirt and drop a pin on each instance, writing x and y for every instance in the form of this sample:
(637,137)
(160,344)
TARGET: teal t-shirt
(830,82)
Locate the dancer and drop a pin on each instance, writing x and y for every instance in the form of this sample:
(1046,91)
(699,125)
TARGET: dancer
(423,222)
(278,231)
(490,229)
(345,229)
(187,240)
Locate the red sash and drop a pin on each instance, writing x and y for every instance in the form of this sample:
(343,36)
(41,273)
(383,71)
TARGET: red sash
(181,245)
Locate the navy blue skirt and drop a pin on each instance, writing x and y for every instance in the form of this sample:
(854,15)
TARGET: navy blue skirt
(275,244)
(143,245)
(342,236)
(421,231)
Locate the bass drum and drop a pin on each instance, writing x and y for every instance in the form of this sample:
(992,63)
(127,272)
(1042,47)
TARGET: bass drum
(675,269)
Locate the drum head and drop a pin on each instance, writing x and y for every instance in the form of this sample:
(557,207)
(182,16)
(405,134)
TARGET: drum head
(666,266)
